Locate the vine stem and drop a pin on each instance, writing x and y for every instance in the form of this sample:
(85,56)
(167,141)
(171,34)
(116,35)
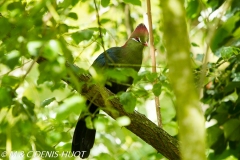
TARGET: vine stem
(152,52)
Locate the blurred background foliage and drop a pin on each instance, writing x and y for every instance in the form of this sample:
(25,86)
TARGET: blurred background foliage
(38,111)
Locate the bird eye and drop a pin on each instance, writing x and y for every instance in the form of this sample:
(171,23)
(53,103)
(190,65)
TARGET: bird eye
(137,39)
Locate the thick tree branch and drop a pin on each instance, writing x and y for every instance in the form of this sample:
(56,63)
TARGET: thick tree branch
(140,125)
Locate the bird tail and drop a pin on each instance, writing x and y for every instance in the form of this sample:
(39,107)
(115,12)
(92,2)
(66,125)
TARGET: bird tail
(83,138)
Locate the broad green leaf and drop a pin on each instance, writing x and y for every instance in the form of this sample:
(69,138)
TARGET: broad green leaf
(12,59)
(52,50)
(10,81)
(128,100)
(16,109)
(82,35)
(105,3)
(232,129)
(134,2)
(74,104)
(226,52)
(151,77)
(231,97)
(213,134)
(73,15)
(6,96)
(15,5)
(157,89)
(63,28)
(192,9)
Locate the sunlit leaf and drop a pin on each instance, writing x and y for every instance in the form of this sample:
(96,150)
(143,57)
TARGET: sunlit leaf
(74,104)
(100,123)
(134,2)
(51,50)
(128,100)
(33,47)
(231,97)
(123,121)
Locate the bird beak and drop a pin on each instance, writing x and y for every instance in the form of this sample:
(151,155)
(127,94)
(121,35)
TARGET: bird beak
(145,44)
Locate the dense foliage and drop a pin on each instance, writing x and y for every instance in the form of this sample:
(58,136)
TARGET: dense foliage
(38,110)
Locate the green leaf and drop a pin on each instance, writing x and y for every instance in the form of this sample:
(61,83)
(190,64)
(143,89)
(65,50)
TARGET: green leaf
(15,5)
(236,77)
(12,59)
(134,2)
(200,57)
(194,44)
(63,28)
(52,50)
(100,123)
(123,121)
(192,9)
(231,97)
(171,128)
(29,108)
(47,101)
(226,52)
(232,129)
(33,47)
(82,35)
(213,134)
(105,3)
(128,100)
(10,81)
(74,104)
(6,97)
(73,15)
(151,77)
(157,89)
(89,122)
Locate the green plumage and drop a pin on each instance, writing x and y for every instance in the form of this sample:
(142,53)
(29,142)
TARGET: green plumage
(128,56)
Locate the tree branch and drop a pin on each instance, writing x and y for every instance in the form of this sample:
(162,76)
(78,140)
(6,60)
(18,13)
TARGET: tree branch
(140,125)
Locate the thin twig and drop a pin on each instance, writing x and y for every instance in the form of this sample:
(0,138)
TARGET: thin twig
(152,52)
(28,70)
(100,34)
